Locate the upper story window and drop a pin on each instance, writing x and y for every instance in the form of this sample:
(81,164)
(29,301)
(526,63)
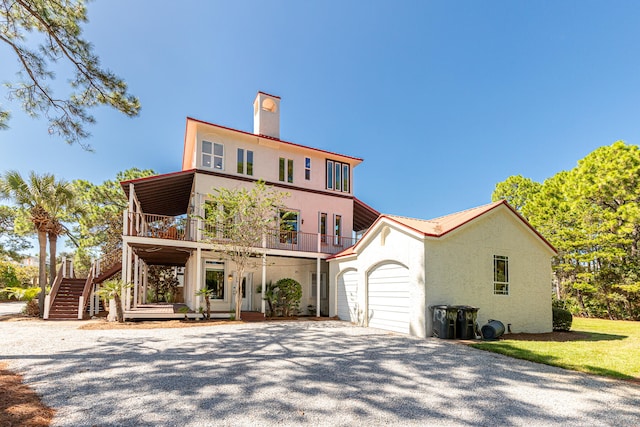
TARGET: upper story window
(337,229)
(338,176)
(307,168)
(285,172)
(212,155)
(322,227)
(245,167)
(500,275)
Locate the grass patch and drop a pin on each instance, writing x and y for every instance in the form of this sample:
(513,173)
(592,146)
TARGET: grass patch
(603,347)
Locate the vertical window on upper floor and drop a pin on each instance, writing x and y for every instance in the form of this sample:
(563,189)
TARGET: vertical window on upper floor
(500,275)
(345,178)
(337,228)
(285,170)
(212,155)
(322,227)
(330,174)
(281,169)
(249,162)
(338,176)
(289,170)
(246,168)
(307,168)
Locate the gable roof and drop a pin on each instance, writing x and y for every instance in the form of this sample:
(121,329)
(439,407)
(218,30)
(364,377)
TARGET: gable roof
(441,226)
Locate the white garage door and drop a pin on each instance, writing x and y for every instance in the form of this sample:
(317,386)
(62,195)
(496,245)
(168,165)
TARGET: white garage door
(388,297)
(348,296)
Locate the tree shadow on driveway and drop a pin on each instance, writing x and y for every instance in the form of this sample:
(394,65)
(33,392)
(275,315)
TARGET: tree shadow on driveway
(308,372)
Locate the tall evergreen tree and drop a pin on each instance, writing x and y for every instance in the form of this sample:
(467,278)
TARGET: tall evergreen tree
(58,25)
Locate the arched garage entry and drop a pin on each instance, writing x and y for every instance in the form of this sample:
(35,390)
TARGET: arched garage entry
(388,297)
(348,296)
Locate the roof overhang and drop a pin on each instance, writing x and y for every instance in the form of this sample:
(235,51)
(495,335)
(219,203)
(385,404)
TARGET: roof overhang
(167,194)
(363,215)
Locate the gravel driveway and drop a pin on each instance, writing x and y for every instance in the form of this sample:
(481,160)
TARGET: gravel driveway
(291,373)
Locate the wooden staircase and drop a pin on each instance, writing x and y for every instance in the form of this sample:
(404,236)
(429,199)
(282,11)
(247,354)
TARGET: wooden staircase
(65,304)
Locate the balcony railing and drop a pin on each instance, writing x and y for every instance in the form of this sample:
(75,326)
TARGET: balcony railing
(186,229)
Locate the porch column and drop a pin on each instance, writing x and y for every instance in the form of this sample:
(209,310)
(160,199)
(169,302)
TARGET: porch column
(127,298)
(198,277)
(318,276)
(263,306)
(125,251)
(145,281)
(131,204)
(136,281)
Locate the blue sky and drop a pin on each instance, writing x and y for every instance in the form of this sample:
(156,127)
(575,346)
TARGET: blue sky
(442,99)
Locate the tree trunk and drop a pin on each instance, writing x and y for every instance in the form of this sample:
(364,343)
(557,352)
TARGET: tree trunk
(42,269)
(239,294)
(53,247)
(119,313)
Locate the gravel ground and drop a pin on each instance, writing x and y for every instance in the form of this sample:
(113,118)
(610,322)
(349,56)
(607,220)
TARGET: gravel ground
(12,307)
(291,373)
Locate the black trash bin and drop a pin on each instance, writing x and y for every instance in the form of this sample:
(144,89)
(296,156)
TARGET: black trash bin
(444,321)
(466,322)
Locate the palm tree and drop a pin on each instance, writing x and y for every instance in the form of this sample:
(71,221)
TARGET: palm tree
(60,204)
(44,200)
(112,289)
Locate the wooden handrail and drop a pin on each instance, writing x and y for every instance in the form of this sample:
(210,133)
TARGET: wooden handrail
(56,286)
(85,292)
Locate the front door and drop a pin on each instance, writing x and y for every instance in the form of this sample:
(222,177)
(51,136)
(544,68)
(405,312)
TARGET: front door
(247,286)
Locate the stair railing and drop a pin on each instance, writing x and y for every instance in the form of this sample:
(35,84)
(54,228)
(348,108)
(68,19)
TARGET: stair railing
(84,298)
(51,296)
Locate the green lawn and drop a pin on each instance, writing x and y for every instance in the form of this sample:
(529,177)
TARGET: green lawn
(611,348)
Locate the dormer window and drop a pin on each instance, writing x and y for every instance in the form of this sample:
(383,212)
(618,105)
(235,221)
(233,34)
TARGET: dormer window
(212,155)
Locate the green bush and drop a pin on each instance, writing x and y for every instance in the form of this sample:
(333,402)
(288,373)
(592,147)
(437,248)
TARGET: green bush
(562,319)
(20,293)
(284,297)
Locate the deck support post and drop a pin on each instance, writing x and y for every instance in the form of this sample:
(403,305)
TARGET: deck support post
(263,307)
(145,281)
(318,276)
(136,280)
(198,277)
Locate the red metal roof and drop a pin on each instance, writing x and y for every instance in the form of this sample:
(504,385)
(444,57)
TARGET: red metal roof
(441,226)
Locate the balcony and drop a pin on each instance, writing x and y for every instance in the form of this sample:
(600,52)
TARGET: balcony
(183,228)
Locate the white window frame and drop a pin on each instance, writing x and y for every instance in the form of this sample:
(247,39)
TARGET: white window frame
(212,156)
(321,216)
(338,176)
(307,168)
(500,287)
(329,174)
(337,229)
(244,163)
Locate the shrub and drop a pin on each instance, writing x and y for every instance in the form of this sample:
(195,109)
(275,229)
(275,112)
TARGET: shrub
(284,297)
(562,319)
(290,295)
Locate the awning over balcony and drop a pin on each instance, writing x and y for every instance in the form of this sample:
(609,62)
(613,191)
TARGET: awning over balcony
(166,194)
(363,215)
